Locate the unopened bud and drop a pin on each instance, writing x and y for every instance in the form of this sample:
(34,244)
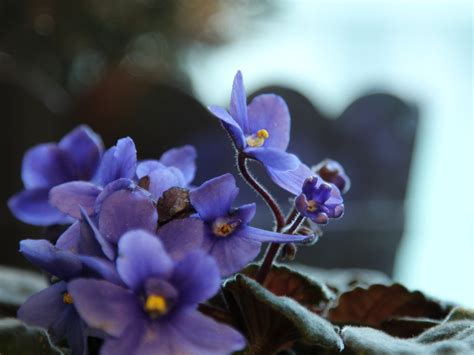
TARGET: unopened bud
(288,251)
(333,172)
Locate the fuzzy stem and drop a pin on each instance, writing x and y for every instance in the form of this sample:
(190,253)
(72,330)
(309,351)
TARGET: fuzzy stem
(273,250)
(291,216)
(264,194)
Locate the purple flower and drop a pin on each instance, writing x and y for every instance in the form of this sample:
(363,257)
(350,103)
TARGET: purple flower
(333,172)
(121,206)
(262,129)
(156,313)
(176,168)
(118,162)
(75,157)
(319,200)
(53,308)
(224,231)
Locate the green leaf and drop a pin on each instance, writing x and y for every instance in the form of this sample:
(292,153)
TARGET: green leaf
(18,339)
(15,288)
(273,322)
(455,337)
(283,281)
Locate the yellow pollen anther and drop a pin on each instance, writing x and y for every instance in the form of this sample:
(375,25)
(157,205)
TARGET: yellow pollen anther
(257,139)
(263,133)
(311,206)
(155,304)
(224,230)
(67,298)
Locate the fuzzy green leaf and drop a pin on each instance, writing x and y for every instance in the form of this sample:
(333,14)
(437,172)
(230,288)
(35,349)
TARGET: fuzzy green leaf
(455,337)
(19,339)
(273,322)
(15,288)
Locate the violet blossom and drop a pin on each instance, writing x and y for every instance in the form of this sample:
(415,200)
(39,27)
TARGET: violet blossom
(75,157)
(262,129)
(156,312)
(225,232)
(319,200)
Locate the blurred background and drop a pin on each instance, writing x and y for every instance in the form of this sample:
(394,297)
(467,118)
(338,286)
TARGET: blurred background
(384,87)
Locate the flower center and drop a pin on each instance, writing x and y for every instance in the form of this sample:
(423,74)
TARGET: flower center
(257,139)
(223,229)
(67,298)
(155,305)
(312,206)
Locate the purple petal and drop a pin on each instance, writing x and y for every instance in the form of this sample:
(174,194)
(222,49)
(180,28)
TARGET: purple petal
(118,162)
(69,197)
(76,335)
(214,198)
(230,124)
(261,235)
(84,148)
(198,334)
(145,167)
(183,158)
(91,232)
(324,192)
(69,240)
(162,179)
(291,181)
(43,308)
(270,112)
(128,342)
(116,185)
(125,210)
(335,197)
(46,165)
(231,253)
(274,158)
(336,211)
(238,102)
(245,213)
(301,204)
(102,268)
(103,305)
(181,236)
(33,207)
(197,277)
(142,255)
(43,254)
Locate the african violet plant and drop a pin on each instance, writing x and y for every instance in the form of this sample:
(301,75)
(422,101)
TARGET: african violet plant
(151,264)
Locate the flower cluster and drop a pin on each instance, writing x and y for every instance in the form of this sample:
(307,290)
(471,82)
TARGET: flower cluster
(143,248)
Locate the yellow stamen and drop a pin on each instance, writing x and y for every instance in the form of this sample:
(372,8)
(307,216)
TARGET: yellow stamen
(155,305)
(263,133)
(257,140)
(311,206)
(224,230)
(67,298)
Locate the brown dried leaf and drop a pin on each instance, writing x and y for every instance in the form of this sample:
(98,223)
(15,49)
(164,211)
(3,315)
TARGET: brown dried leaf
(380,303)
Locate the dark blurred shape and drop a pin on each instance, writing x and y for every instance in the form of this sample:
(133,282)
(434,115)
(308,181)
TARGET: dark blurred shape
(373,139)
(116,66)
(75,43)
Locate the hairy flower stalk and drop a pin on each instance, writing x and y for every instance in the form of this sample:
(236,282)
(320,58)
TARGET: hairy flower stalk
(273,250)
(264,194)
